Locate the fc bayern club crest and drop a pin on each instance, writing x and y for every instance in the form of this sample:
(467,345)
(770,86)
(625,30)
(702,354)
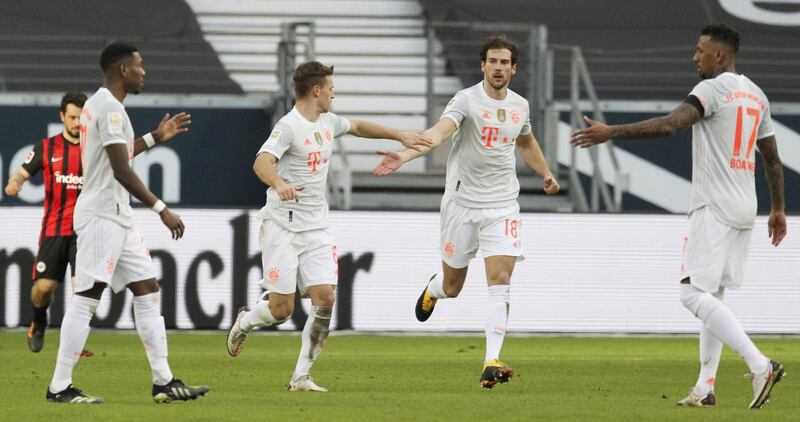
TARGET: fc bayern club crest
(515,116)
(501,115)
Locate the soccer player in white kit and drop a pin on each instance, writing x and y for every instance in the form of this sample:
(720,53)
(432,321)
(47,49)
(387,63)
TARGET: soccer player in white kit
(110,252)
(298,251)
(479,208)
(728,114)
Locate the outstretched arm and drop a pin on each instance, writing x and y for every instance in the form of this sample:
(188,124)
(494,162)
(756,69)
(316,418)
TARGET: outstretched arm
(409,139)
(168,128)
(774,171)
(437,134)
(532,153)
(682,117)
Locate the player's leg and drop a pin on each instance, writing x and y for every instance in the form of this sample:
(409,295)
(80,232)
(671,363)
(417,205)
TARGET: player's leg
(498,277)
(48,271)
(459,243)
(100,243)
(710,353)
(315,332)
(135,263)
(501,248)
(42,294)
(318,266)
(74,332)
(71,252)
(279,261)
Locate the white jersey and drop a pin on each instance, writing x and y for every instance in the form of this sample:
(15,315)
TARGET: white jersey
(736,114)
(481,168)
(304,151)
(103,122)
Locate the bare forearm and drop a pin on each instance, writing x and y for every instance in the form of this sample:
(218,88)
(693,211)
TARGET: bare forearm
(264,168)
(438,133)
(20,176)
(365,129)
(653,128)
(131,182)
(773,168)
(532,153)
(682,117)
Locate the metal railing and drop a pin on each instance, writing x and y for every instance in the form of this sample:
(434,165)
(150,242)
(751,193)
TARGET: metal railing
(580,78)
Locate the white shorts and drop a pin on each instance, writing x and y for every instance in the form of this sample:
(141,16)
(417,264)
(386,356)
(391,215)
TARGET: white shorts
(111,254)
(714,254)
(296,260)
(464,230)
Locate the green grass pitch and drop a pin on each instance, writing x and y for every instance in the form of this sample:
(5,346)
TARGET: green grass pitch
(375,378)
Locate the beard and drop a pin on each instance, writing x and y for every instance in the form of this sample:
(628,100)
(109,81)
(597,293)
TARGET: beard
(76,134)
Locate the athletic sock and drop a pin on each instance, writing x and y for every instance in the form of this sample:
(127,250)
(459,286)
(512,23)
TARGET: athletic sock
(259,316)
(74,332)
(724,325)
(150,326)
(496,320)
(436,287)
(312,340)
(40,315)
(710,353)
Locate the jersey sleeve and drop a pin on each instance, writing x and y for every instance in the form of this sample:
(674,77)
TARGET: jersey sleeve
(765,128)
(704,92)
(526,128)
(457,109)
(33,161)
(279,140)
(340,126)
(111,125)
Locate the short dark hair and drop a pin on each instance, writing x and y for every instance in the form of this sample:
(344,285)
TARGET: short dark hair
(113,53)
(496,42)
(78,99)
(309,74)
(723,33)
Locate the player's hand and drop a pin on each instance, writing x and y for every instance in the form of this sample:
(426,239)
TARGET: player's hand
(776,226)
(13,187)
(288,192)
(173,223)
(415,140)
(171,126)
(594,133)
(391,162)
(551,185)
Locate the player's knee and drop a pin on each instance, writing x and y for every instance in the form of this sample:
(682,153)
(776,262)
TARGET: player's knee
(499,278)
(698,302)
(281,311)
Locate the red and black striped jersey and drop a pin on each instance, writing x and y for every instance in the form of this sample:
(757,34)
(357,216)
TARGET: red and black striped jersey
(60,162)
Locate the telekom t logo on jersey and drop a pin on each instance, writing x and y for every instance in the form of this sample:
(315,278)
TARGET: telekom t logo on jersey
(488,135)
(314,160)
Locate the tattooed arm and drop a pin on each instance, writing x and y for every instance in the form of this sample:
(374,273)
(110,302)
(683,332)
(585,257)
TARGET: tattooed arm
(683,117)
(774,171)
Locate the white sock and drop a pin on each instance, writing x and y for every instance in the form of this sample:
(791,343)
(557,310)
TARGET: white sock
(496,320)
(723,324)
(150,325)
(259,316)
(436,287)
(74,332)
(312,340)
(710,353)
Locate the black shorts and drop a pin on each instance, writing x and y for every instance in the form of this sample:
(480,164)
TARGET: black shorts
(54,255)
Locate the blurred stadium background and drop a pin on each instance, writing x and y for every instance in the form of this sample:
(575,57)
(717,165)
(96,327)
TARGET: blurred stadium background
(603,256)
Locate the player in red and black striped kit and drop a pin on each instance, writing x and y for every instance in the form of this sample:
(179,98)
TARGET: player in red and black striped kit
(59,160)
